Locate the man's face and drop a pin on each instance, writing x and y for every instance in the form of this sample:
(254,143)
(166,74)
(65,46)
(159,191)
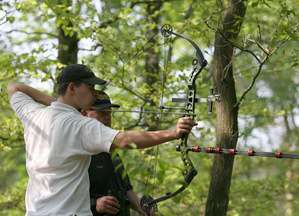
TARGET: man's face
(103,116)
(84,95)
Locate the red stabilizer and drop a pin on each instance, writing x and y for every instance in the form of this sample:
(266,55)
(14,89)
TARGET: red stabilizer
(278,154)
(250,152)
(209,149)
(232,151)
(196,148)
(218,150)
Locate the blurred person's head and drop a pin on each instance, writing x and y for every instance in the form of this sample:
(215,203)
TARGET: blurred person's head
(101,108)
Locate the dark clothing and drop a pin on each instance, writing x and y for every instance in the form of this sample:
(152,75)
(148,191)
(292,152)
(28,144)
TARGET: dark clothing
(107,178)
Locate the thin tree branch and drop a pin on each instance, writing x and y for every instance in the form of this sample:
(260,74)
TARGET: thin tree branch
(250,86)
(233,43)
(138,120)
(189,12)
(29,33)
(261,62)
(136,94)
(258,73)
(260,46)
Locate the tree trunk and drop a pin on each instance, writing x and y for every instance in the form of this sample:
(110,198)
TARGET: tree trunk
(152,57)
(290,172)
(67,44)
(67,47)
(227,113)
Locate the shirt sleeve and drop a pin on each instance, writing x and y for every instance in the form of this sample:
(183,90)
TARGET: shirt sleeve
(24,106)
(96,137)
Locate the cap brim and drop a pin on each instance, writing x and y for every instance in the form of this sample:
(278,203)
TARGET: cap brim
(105,106)
(94,81)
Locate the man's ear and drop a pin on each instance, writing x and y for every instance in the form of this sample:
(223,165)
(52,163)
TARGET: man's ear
(71,87)
(83,112)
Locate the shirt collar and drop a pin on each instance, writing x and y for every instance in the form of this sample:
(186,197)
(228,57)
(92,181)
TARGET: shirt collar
(66,107)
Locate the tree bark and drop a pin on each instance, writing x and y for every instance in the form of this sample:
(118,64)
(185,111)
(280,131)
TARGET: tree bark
(227,112)
(67,47)
(152,57)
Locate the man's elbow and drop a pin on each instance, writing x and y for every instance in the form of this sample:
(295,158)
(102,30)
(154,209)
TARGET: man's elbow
(123,141)
(12,88)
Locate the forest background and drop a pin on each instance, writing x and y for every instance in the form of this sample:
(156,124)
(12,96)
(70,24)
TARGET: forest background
(252,48)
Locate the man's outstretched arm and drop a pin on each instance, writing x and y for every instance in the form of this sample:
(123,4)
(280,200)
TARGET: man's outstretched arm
(146,139)
(35,94)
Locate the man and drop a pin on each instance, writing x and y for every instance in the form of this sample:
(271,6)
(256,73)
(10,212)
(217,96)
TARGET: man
(110,189)
(59,142)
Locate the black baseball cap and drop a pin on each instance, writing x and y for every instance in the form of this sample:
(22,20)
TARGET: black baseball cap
(81,73)
(103,102)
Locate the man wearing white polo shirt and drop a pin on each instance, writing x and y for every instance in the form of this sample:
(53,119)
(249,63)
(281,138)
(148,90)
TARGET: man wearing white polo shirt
(59,142)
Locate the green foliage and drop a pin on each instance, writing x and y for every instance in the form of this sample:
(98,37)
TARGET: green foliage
(120,42)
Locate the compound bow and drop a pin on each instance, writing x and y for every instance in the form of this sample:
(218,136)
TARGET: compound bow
(189,171)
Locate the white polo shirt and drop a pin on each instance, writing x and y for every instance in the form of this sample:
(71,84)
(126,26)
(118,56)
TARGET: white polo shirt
(59,142)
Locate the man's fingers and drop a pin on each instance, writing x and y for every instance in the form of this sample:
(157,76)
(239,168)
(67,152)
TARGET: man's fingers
(184,131)
(111,210)
(107,204)
(186,118)
(112,198)
(184,126)
(187,121)
(112,202)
